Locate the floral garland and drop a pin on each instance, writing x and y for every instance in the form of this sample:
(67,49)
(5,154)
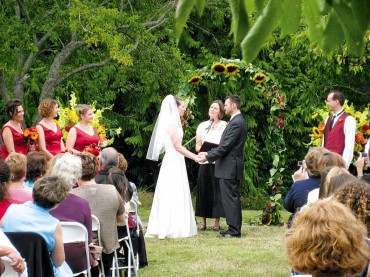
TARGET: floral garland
(68,118)
(236,70)
(362,126)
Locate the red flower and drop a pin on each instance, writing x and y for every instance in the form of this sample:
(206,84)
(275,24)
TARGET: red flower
(67,128)
(92,149)
(365,128)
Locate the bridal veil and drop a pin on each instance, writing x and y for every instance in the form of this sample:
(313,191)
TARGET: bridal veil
(168,115)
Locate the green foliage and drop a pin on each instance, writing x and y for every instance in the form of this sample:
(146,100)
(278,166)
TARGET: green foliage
(323,18)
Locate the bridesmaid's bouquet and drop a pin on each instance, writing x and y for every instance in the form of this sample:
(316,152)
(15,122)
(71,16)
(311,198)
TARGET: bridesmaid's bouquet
(92,149)
(30,137)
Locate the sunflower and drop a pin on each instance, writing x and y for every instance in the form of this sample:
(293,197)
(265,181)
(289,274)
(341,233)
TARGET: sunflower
(259,78)
(195,80)
(316,132)
(219,68)
(232,69)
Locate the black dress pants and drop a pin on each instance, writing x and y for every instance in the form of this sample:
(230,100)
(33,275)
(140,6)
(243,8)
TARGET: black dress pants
(230,195)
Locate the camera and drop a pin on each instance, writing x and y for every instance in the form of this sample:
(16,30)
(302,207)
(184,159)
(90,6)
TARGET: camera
(301,163)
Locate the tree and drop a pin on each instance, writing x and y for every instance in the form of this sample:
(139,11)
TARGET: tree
(329,22)
(49,42)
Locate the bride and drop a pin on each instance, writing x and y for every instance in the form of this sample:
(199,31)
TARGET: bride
(172,213)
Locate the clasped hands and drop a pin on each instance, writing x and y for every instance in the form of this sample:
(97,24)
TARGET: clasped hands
(201,158)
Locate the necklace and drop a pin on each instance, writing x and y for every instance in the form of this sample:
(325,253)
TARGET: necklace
(84,128)
(50,125)
(16,126)
(215,125)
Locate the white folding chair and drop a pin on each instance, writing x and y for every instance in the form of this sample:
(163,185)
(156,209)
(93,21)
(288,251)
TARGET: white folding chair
(9,272)
(95,224)
(128,243)
(76,232)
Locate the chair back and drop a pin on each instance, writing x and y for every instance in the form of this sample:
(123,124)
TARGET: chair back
(33,249)
(95,226)
(76,232)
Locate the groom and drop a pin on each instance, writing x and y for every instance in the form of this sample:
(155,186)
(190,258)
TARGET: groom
(229,165)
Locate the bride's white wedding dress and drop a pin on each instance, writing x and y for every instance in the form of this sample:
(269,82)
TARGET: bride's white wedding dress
(172,214)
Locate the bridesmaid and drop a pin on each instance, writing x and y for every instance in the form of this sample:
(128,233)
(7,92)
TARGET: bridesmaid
(82,134)
(12,131)
(50,136)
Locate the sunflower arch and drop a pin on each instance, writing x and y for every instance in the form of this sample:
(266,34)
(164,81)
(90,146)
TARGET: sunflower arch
(263,108)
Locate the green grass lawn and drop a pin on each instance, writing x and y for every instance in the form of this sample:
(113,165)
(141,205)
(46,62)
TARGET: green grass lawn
(259,252)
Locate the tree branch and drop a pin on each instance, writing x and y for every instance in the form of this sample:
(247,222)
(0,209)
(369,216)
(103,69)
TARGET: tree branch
(82,68)
(162,18)
(3,89)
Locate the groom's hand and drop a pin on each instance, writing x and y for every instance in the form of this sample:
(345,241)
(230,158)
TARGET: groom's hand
(202,157)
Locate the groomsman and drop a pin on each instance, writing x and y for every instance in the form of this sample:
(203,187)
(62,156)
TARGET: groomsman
(340,128)
(230,165)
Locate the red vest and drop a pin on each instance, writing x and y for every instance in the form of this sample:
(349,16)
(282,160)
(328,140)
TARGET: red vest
(334,139)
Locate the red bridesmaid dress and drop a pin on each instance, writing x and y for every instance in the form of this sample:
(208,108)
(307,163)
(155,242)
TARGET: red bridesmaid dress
(20,145)
(83,139)
(52,139)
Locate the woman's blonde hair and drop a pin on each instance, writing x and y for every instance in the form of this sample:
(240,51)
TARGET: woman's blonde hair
(329,173)
(82,109)
(18,165)
(46,107)
(327,238)
(312,157)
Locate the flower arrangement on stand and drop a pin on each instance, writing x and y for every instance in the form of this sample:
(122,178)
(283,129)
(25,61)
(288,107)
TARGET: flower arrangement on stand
(30,137)
(362,126)
(68,118)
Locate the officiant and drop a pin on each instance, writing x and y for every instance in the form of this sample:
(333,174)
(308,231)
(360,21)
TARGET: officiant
(208,136)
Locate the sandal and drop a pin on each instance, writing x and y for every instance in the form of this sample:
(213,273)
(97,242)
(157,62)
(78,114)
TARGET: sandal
(202,227)
(216,228)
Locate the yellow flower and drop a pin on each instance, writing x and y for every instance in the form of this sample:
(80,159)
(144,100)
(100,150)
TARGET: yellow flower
(26,133)
(232,68)
(195,80)
(314,115)
(218,68)
(259,78)
(316,132)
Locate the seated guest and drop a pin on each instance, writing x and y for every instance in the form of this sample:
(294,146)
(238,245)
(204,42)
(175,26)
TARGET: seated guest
(5,200)
(36,168)
(123,165)
(360,164)
(328,159)
(117,178)
(50,139)
(355,195)
(105,203)
(296,197)
(108,158)
(327,180)
(8,250)
(326,239)
(18,166)
(35,217)
(75,209)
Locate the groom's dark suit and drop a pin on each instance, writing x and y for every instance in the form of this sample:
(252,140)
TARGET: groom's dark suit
(229,169)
